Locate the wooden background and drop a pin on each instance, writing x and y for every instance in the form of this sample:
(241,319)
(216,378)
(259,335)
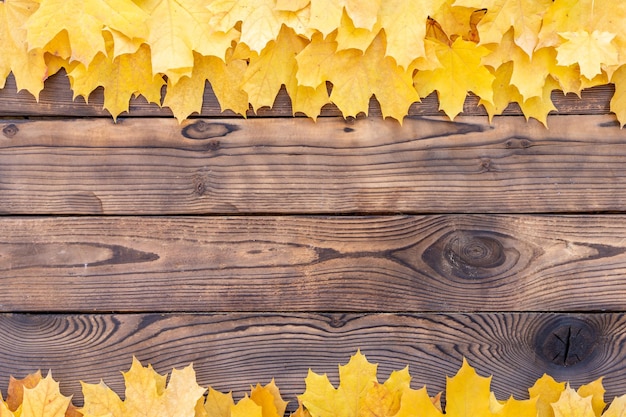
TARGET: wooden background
(259,248)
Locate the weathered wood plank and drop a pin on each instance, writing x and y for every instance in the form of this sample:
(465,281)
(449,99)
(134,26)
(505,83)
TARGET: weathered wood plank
(56,100)
(233,351)
(428,165)
(391,263)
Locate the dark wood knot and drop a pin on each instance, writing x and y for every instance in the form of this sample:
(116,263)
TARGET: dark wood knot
(10,130)
(469,254)
(202,130)
(566,341)
(518,143)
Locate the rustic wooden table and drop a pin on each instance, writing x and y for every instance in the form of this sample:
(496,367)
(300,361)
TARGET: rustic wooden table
(258,248)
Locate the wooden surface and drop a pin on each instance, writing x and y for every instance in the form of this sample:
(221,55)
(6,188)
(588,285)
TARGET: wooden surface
(390,263)
(295,166)
(260,247)
(233,351)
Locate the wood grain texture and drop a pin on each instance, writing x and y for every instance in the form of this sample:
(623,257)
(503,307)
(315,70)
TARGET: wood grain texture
(295,166)
(390,263)
(56,100)
(233,351)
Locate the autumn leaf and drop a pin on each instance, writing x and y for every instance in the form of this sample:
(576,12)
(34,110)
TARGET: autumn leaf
(218,404)
(177,29)
(269,399)
(356,76)
(84,22)
(618,101)
(350,36)
(359,393)
(272,68)
(572,404)
(261,21)
(246,408)
(15,393)
(28,67)
(44,400)
(186,96)
(122,77)
(461,72)
(591,51)
(147,394)
(405,37)
(617,407)
(524,17)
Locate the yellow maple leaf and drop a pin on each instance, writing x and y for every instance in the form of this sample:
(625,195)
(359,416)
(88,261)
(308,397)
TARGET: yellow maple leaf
(44,400)
(547,391)
(359,393)
(325,15)
(539,107)
(303,412)
(617,407)
(467,393)
(218,404)
(246,408)
(401,20)
(15,393)
(454,21)
(596,390)
(583,15)
(269,399)
(461,71)
(100,400)
(312,61)
(273,67)
(591,51)
(504,92)
(349,36)
(292,5)
(524,17)
(4,409)
(417,403)
(572,404)
(147,394)
(529,72)
(84,21)
(177,29)
(356,76)
(618,101)
(186,96)
(122,77)
(28,67)
(260,20)
(364,14)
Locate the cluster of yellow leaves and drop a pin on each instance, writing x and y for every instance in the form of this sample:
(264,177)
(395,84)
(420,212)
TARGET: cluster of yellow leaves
(322,51)
(359,394)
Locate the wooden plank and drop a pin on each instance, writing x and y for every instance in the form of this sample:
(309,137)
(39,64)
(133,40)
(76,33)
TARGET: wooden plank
(56,100)
(233,351)
(392,263)
(428,165)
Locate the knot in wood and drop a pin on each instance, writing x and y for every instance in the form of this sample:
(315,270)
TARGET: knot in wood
(566,341)
(518,143)
(204,130)
(468,254)
(10,130)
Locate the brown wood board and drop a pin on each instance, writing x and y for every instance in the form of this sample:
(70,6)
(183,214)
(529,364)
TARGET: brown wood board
(294,166)
(389,263)
(234,351)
